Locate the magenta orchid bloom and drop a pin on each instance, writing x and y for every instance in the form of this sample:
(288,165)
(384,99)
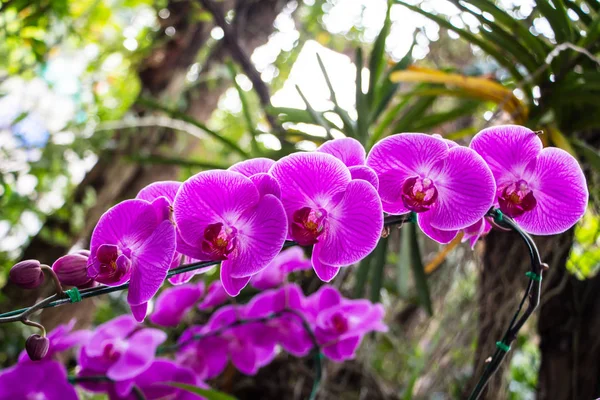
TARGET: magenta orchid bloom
(215,296)
(173,303)
(340,324)
(353,155)
(133,241)
(248,357)
(45,380)
(206,357)
(154,383)
(168,190)
(62,338)
(119,349)
(341,217)
(221,216)
(288,261)
(473,232)
(544,190)
(257,169)
(287,329)
(449,187)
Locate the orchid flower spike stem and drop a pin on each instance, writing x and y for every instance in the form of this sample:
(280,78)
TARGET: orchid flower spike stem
(57,285)
(36,325)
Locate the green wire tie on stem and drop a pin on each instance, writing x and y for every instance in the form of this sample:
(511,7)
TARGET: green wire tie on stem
(412,217)
(74,295)
(503,346)
(498,216)
(533,275)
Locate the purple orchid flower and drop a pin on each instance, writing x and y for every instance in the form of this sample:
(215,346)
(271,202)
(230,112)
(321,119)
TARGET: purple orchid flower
(120,350)
(353,155)
(248,357)
(62,338)
(341,217)
(449,187)
(154,383)
(221,215)
(168,190)
(340,324)
(36,380)
(215,296)
(287,329)
(133,241)
(257,169)
(473,232)
(174,303)
(544,190)
(207,357)
(288,261)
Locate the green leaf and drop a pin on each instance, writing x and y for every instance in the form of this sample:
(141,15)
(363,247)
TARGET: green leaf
(388,88)
(486,46)
(591,155)
(317,118)
(410,245)
(245,108)
(362,105)
(378,265)
(377,59)
(208,394)
(362,275)
(186,118)
(403,266)
(535,43)
(349,127)
(182,162)
(495,33)
(415,112)
(557,17)
(585,18)
(390,116)
(432,120)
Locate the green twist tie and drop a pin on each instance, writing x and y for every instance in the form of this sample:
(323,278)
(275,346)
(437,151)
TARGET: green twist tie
(503,346)
(533,275)
(74,295)
(412,217)
(498,217)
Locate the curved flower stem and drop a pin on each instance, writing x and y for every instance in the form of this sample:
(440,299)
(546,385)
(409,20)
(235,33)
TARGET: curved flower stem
(57,284)
(35,324)
(532,293)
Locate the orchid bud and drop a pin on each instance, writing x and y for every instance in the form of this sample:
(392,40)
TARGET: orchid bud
(71,269)
(27,274)
(37,347)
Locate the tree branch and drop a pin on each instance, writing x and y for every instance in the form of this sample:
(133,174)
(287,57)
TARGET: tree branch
(240,57)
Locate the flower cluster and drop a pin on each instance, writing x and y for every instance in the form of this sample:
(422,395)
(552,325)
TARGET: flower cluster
(121,356)
(330,201)
(279,318)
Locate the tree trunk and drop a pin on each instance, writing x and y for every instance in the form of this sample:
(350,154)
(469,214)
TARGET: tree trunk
(501,286)
(568,325)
